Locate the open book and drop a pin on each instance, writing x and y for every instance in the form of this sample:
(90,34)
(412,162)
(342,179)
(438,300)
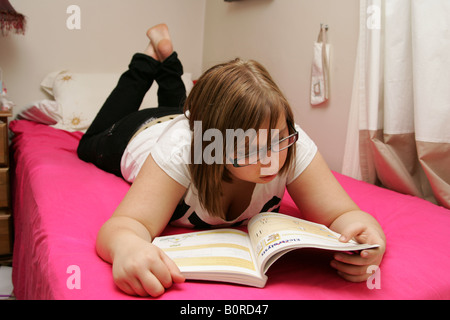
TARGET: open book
(232,255)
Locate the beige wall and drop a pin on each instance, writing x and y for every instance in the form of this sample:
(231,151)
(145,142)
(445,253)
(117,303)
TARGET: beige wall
(280,34)
(111,32)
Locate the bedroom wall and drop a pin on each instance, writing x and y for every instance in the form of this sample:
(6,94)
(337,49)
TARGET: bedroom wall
(111,31)
(280,34)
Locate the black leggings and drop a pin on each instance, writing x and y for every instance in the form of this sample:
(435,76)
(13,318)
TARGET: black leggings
(118,120)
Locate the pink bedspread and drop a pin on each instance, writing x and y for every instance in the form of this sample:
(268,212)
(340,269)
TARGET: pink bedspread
(60,202)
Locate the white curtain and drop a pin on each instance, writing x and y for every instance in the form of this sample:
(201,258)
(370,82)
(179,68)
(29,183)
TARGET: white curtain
(399,124)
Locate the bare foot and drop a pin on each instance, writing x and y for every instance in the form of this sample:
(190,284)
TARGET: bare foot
(151,51)
(160,47)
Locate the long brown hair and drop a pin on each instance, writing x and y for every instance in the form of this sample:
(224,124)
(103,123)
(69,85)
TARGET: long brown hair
(234,95)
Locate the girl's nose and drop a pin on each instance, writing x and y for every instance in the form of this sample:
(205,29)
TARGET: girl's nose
(269,164)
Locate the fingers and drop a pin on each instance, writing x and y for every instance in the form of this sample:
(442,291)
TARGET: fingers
(144,285)
(175,273)
(149,279)
(351,272)
(355,230)
(354,270)
(354,267)
(365,257)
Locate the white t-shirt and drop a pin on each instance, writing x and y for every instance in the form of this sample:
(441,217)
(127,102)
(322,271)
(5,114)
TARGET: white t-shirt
(170,146)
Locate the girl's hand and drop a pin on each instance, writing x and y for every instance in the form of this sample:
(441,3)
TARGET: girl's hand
(354,267)
(143,269)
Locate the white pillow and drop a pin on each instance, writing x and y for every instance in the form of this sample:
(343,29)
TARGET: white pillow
(81,95)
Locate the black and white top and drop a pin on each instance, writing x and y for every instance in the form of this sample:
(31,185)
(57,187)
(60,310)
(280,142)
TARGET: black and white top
(170,146)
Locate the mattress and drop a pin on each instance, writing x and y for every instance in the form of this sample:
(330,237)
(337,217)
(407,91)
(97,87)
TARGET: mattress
(60,203)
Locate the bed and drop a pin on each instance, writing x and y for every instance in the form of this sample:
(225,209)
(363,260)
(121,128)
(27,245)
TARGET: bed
(60,202)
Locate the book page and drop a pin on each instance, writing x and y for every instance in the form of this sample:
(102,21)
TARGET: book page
(270,232)
(215,250)
(260,228)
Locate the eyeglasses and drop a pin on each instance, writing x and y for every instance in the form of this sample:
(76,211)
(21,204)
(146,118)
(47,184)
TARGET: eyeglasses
(277,146)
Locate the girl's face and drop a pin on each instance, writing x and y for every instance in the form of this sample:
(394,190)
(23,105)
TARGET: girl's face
(267,168)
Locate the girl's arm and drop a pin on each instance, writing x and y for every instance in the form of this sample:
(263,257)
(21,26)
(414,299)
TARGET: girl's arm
(125,239)
(320,198)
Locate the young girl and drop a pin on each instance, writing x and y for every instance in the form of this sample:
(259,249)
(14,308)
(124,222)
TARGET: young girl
(163,153)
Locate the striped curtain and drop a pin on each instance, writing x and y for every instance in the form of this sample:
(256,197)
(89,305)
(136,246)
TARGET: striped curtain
(399,125)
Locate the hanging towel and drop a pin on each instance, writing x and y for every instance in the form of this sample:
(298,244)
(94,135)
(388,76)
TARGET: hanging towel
(320,83)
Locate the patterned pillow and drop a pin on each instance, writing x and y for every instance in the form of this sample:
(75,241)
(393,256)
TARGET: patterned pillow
(81,95)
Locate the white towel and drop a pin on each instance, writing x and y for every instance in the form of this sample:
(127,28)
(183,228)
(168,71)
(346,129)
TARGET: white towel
(320,83)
